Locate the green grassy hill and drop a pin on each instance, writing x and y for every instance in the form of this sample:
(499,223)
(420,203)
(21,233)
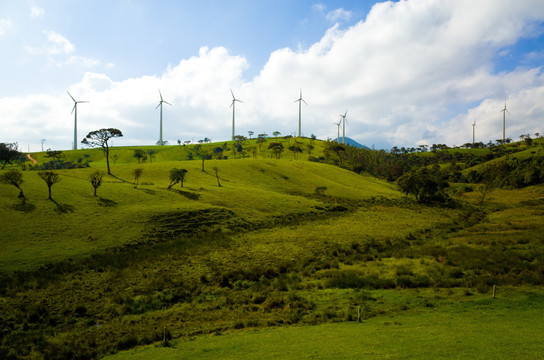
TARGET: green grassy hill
(84,276)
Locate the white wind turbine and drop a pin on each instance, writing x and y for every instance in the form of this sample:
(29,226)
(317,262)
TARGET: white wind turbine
(161,142)
(473,127)
(300,100)
(344,126)
(233,105)
(338,124)
(74,110)
(504,111)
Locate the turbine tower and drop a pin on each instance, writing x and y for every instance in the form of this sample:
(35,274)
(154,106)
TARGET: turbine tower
(300,100)
(344,126)
(233,105)
(161,142)
(473,126)
(504,111)
(338,133)
(74,110)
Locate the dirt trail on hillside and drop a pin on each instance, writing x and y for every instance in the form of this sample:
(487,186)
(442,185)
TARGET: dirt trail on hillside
(31,159)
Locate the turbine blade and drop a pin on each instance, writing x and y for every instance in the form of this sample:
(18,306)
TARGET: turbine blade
(74,108)
(82,101)
(166,102)
(233,98)
(303,101)
(71,96)
(239,100)
(160,94)
(156,107)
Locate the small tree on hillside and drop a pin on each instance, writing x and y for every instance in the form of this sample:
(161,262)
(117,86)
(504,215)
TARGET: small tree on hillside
(50,178)
(216,171)
(276,149)
(204,156)
(137,173)
(177,176)
(15,178)
(100,138)
(151,154)
(96,180)
(139,154)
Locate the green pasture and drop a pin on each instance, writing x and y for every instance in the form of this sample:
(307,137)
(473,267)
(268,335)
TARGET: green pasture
(475,327)
(273,263)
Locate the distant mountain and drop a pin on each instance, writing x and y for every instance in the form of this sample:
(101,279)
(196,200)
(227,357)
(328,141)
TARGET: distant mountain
(351,142)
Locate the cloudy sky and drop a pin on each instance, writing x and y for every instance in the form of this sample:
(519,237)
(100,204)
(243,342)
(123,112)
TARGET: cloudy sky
(408,72)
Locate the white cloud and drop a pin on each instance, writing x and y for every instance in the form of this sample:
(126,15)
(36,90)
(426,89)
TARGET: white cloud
(406,74)
(36,11)
(5,26)
(56,44)
(338,15)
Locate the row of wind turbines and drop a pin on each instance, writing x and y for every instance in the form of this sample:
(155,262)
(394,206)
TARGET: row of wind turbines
(300,100)
(504,111)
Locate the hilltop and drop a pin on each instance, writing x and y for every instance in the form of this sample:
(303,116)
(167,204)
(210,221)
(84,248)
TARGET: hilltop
(305,238)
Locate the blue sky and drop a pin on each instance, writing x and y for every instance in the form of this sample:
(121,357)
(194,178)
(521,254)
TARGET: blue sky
(409,72)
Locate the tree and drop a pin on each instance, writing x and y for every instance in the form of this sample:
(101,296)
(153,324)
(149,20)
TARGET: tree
(50,178)
(260,141)
(204,156)
(137,173)
(296,150)
(8,153)
(490,178)
(139,154)
(56,155)
(276,149)
(151,153)
(250,133)
(216,171)
(177,176)
(96,180)
(276,133)
(15,178)
(100,138)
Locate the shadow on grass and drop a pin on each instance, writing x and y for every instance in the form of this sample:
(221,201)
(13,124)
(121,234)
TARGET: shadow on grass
(122,180)
(63,208)
(26,207)
(188,195)
(106,202)
(147,191)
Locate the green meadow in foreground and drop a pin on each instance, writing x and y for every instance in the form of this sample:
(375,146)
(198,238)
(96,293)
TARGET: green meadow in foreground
(507,327)
(266,258)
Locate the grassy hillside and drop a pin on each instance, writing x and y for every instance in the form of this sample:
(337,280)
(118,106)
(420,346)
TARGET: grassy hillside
(85,276)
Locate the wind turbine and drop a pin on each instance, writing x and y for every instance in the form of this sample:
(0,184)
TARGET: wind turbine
(233,105)
(473,127)
(74,110)
(160,104)
(504,111)
(344,126)
(300,100)
(338,135)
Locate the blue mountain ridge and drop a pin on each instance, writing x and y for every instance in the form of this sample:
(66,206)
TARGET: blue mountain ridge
(351,142)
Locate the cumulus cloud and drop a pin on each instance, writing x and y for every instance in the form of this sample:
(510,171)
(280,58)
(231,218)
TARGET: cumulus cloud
(407,74)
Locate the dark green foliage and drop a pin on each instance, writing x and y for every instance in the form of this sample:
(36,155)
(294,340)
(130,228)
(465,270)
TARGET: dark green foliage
(276,149)
(96,180)
(177,176)
(424,185)
(15,178)
(50,178)
(140,155)
(8,153)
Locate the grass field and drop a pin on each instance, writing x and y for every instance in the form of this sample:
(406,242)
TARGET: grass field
(263,259)
(478,327)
